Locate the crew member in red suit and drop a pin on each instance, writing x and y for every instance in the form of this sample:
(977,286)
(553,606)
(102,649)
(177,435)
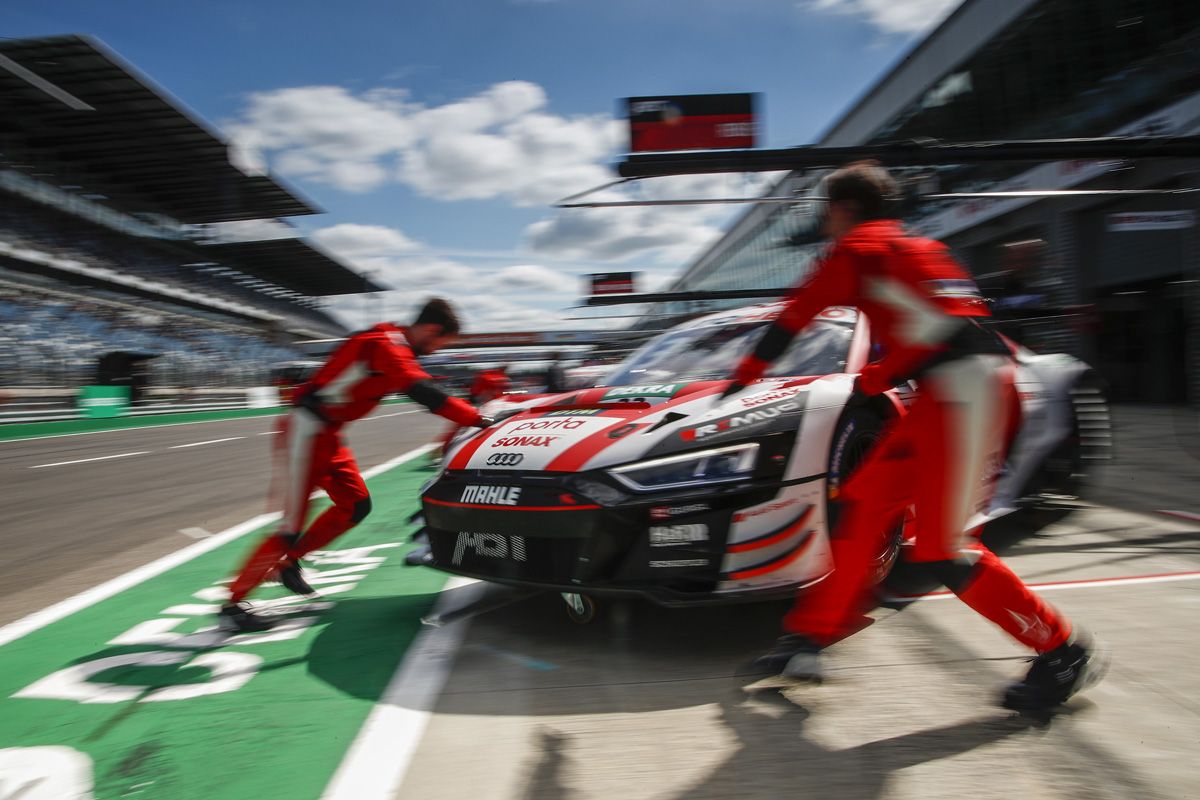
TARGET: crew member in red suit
(940,458)
(361,372)
(487,386)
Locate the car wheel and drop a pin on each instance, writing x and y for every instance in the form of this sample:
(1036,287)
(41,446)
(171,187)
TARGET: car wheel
(857,432)
(1073,465)
(581,609)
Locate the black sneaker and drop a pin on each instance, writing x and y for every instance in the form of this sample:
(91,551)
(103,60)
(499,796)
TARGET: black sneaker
(293,580)
(238,617)
(793,656)
(1056,676)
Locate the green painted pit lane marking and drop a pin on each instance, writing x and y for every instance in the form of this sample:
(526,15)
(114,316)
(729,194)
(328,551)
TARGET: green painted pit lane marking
(162,708)
(35,430)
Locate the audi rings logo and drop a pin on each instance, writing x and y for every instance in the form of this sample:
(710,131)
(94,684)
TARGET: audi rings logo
(505,459)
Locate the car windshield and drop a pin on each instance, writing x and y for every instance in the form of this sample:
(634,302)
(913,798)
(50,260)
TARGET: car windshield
(712,353)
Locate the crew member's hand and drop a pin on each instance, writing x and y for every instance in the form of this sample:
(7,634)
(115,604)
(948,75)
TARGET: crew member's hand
(733,388)
(485,422)
(870,383)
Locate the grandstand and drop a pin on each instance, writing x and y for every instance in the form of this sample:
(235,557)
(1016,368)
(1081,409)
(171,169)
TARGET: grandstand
(110,197)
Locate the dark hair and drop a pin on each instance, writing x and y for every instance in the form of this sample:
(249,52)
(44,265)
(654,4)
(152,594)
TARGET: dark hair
(438,312)
(866,184)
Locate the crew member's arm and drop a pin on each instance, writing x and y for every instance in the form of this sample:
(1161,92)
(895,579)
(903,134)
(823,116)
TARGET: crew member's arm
(399,364)
(834,283)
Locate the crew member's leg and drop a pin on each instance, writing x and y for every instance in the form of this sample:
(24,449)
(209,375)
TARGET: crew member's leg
(960,422)
(351,504)
(873,499)
(308,447)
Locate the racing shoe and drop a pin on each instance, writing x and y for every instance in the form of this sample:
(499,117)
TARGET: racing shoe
(293,579)
(793,656)
(1055,676)
(238,617)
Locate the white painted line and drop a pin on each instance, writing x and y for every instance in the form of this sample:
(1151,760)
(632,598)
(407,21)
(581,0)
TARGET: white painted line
(210,441)
(86,460)
(385,416)
(378,759)
(89,597)
(195,533)
(268,433)
(1090,583)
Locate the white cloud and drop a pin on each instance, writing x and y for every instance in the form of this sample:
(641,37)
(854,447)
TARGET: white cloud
(499,143)
(490,296)
(890,16)
(350,239)
(525,278)
(667,234)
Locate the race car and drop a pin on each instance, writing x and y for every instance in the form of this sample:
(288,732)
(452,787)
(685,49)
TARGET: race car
(654,485)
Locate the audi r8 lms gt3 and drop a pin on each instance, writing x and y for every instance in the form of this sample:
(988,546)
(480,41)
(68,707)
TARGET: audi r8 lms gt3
(653,484)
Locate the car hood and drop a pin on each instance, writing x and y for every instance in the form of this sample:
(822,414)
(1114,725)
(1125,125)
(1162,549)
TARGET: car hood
(607,426)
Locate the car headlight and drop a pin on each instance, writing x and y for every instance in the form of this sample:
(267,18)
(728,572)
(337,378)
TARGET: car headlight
(690,469)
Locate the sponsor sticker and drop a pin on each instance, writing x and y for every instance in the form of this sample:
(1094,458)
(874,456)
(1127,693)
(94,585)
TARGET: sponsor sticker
(622,431)
(670,535)
(630,392)
(504,459)
(751,420)
(574,412)
(773,396)
(767,509)
(491,495)
(549,424)
(679,562)
(488,545)
(525,441)
(666,512)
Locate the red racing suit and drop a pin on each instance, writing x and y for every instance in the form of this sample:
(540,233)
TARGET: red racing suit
(366,368)
(942,457)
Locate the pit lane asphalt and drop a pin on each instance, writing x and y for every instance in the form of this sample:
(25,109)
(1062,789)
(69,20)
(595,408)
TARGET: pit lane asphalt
(656,703)
(66,527)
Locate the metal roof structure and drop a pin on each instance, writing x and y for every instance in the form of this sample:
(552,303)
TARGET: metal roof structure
(291,263)
(79,114)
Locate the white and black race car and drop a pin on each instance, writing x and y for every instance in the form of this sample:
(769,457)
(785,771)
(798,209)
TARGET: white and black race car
(654,485)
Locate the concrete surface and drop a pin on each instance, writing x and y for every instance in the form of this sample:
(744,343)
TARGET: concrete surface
(67,528)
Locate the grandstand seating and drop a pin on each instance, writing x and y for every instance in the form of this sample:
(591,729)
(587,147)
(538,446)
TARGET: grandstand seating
(52,335)
(47,230)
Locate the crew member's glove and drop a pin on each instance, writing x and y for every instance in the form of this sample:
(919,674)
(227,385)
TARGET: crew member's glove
(484,422)
(870,383)
(733,388)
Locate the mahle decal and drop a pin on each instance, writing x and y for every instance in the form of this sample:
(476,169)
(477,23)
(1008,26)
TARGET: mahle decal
(491,495)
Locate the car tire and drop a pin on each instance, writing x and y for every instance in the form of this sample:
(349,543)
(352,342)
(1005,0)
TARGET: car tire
(856,433)
(1072,467)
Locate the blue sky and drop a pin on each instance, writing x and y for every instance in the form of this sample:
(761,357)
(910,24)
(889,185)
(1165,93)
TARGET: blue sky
(435,134)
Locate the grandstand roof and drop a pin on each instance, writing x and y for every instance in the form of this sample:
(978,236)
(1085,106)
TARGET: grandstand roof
(71,107)
(294,264)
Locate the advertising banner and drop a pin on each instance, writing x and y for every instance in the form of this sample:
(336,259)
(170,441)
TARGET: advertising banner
(613,283)
(100,402)
(691,122)
(1151,220)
